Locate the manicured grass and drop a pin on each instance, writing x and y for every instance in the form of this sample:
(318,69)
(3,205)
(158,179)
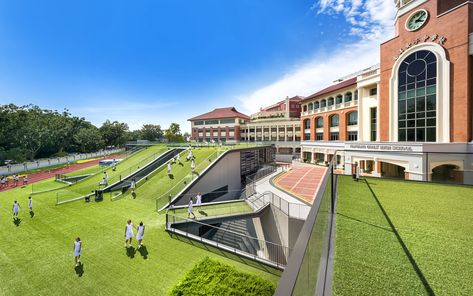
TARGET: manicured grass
(233,208)
(433,222)
(212,277)
(36,256)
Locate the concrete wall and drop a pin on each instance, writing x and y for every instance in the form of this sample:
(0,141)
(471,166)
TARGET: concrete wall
(279,228)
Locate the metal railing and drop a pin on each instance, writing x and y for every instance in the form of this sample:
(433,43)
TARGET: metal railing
(293,210)
(230,240)
(250,181)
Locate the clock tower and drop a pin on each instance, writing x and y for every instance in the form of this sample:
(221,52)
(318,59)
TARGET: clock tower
(426,73)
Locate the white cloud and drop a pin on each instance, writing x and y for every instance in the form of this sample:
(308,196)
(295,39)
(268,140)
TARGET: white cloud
(371,21)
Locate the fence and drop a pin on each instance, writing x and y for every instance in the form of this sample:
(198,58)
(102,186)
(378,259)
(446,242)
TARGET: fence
(230,240)
(250,183)
(292,210)
(306,271)
(43,163)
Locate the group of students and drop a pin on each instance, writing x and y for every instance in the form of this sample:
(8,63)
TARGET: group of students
(16,207)
(129,234)
(5,181)
(177,159)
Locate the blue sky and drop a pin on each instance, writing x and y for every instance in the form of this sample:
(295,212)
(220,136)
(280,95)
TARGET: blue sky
(166,61)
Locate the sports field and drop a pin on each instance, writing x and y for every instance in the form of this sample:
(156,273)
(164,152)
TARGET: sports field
(403,238)
(36,253)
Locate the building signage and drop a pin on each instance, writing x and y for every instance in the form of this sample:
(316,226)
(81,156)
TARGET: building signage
(384,147)
(432,38)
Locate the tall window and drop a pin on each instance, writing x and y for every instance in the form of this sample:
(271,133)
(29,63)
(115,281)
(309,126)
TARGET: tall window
(316,105)
(311,106)
(339,99)
(334,121)
(352,118)
(330,101)
(417,97)
(306,123)
(319,122)
(348,97)
(323,103)
(373,122)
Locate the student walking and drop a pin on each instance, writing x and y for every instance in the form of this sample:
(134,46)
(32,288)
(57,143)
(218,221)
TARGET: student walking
(77,250)
(198,200)
(140,233)
(25,180)
(128,233)
(189,209)
(30,204)
(133,186)
(15,209)
(169,168)
(357,172)
(193,165)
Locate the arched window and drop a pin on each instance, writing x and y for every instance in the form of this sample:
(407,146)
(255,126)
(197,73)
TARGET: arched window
(339,99)
(352,118)
(323,103)
(319,122)
(311,106)
(304,108)
(306,123)
(316,105)
(417,97)
(348,97)
(334,120)
(330,101)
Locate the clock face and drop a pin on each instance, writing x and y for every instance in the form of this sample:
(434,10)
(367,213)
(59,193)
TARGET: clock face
(417,20)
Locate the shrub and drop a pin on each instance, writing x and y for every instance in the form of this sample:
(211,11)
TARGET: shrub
(211,277)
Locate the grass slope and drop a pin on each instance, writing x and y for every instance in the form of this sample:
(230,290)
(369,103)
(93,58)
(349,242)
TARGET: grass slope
(36,256)
(211,277)
(434,223)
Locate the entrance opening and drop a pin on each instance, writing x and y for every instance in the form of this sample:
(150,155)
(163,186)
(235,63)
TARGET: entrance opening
(307,157)
(390,170)
(447,173)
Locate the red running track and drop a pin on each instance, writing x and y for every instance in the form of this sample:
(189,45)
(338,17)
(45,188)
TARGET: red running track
(46,174)
(302,181)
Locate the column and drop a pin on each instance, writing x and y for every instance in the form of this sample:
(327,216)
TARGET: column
(293,132)
(377,113)
(285,133)
(361,116)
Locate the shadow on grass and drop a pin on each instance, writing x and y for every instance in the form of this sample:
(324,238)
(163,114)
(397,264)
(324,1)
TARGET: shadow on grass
(226,254)
(171,176)
(31,214)
(364,222)
(413,262)
(203,213)
(130,252)
(16,221)
(143,252)
(79,269)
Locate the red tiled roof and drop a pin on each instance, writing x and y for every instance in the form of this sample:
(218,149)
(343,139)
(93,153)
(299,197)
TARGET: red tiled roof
(332,88)
(296,98)
(218,113)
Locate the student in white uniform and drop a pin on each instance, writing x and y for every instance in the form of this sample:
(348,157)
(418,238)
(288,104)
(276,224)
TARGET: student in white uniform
(133,186)
(358,172)
(77,250)
(15,209)
(169,168)
(193,165)
(189,209)
(140,233)
(30,204)
(198,200)
(128,233)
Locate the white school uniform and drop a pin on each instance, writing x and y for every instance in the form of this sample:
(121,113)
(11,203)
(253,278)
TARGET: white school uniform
(357,172)
(129,231)
(133,185)
(16,208)
(198,200)
(140,232)
(189,209)
(169,167)
(77,248)
(30,204)
(193,165)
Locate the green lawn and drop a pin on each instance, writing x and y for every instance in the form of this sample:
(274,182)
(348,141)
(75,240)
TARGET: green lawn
(205,211)
(36,256)
(431,253)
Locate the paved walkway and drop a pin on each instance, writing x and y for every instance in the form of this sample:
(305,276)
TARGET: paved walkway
(302,180)
(46,174)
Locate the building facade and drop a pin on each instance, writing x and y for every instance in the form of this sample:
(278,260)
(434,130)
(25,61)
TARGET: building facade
(221,124)
(414,112)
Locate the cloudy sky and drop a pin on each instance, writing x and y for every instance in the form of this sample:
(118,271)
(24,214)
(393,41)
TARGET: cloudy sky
(165,61)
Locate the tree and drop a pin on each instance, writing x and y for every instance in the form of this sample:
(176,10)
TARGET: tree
(89,139)
(173,133)
(151,132)
(114,133)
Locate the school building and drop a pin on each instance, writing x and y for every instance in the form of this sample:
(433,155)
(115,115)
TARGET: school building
(410,116)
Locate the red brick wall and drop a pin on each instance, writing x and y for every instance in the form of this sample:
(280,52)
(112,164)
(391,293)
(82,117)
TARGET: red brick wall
(342,126)
(455,27)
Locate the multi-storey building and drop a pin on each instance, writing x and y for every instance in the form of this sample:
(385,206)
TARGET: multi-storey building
(221,124)
(411,117)
(278,124)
